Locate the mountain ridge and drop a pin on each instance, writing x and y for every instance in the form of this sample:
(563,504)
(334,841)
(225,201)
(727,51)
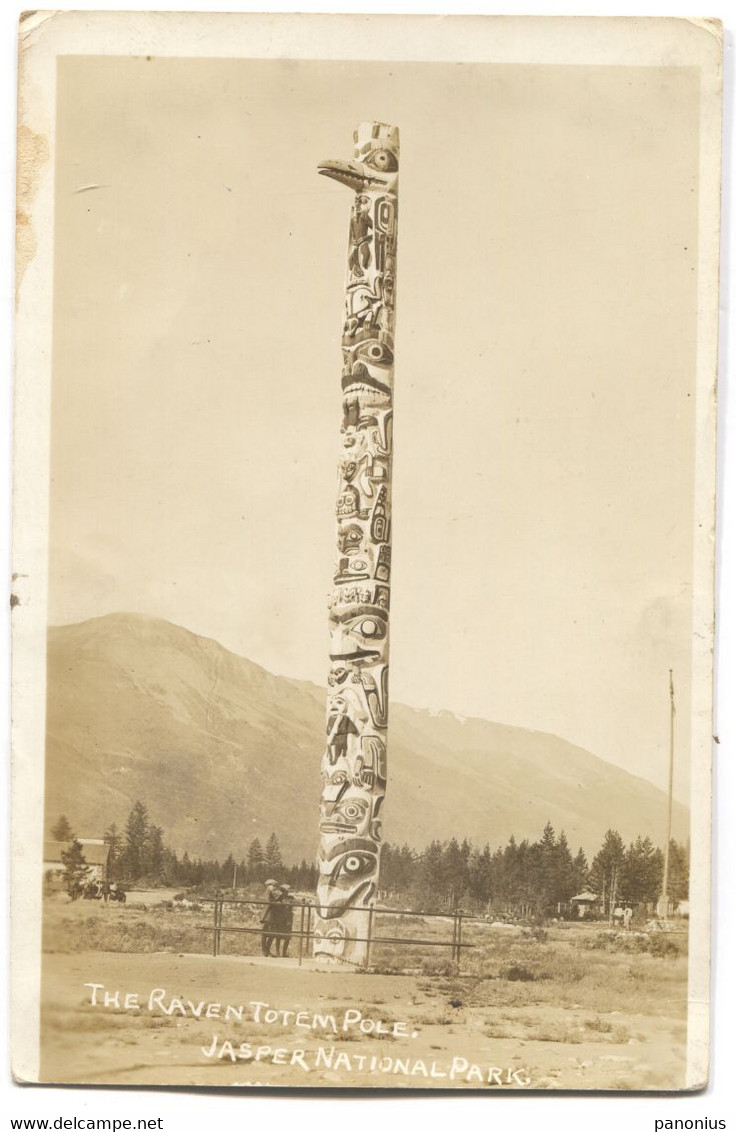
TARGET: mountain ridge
(138,707)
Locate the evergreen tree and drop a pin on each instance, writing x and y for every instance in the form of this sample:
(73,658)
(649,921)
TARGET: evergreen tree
(185,870)
(641,873)
(398,870)
(272,857)
(113,840)
(679,872)
(136,839)
(228,871)
(256,863)
(547,880)
(272,853)
(508,867)
(408,869)
(303,876)
(528,871)
(454,869)
(154,852)
(76,868)
(480,875)
(605,872)
(62,831)
(580,872)
(387,868)
(432,875)
(565,872)
(171,868)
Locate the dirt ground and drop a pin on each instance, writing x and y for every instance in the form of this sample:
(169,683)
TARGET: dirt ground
(346,1028)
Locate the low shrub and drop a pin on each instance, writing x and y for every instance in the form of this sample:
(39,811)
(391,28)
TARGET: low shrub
(662,947)
(598,1025)
(540,934)
(518,974)
(632,943)
(443,968)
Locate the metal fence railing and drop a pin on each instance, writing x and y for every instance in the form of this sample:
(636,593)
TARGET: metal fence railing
(303,935)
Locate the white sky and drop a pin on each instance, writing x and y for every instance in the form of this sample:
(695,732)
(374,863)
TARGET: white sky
(544,375)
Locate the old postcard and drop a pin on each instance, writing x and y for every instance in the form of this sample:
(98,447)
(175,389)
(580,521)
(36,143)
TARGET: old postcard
(334,332)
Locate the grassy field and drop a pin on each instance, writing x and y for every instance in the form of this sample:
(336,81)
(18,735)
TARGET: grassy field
(569,1007)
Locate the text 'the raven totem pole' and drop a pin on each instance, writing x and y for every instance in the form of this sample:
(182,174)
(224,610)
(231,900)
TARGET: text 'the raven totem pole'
(354,761)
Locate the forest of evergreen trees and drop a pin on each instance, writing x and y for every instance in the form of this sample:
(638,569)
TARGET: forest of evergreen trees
(531,878)
(138,855)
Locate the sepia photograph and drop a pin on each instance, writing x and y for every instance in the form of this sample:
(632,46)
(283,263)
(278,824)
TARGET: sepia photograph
(345,348)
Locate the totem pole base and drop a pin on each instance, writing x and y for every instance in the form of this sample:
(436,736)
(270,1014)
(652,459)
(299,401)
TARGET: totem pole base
(343,942)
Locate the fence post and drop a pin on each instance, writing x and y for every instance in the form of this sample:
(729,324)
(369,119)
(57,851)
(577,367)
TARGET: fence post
(301,935)
(216,933)
(214,928)
(454,937)
(309,928)
(459,937)
(370,933)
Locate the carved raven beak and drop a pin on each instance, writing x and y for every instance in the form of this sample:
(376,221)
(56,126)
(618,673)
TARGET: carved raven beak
(348,173)
(357,176)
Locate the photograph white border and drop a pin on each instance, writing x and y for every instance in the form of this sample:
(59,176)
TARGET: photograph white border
(444,39)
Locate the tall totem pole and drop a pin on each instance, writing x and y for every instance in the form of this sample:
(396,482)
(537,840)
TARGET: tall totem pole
(354,762)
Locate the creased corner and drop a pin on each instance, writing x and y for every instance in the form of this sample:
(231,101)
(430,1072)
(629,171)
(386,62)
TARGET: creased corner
(711,24)
(29,23)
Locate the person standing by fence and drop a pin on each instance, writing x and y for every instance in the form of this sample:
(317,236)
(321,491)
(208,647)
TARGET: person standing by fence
(270,917)
(286,924)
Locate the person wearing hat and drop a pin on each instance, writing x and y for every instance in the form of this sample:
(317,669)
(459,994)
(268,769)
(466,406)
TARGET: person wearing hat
(286,921)
(270,917)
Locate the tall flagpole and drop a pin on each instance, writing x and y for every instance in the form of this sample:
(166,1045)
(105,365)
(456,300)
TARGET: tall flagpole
(665,901)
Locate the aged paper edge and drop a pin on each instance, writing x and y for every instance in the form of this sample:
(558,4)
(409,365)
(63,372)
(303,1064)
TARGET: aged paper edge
(703,629)
(44,36)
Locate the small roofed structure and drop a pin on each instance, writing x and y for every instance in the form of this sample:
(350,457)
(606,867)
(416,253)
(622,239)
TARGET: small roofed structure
(95,850)
(585,902)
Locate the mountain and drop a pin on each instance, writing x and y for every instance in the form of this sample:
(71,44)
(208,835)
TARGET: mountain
(222,751)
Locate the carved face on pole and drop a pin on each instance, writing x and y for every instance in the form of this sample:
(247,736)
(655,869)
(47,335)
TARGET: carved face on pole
(354,760)
(347,876)
(330,938)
